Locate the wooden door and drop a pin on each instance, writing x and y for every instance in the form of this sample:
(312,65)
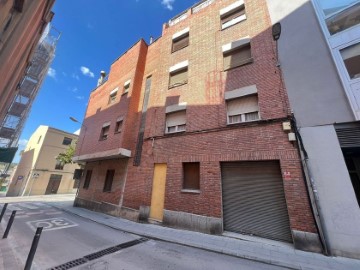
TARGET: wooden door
(158,192)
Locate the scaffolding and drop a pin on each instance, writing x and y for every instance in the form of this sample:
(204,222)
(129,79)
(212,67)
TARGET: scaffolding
(27,89)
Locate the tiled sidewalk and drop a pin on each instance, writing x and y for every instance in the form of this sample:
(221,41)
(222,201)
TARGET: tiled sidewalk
(280,255)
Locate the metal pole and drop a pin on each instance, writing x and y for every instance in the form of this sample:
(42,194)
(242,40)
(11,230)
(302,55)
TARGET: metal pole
(3,211)
(33,248)
(8,227)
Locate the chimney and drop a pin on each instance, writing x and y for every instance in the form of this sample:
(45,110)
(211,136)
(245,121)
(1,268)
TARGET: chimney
(102,77)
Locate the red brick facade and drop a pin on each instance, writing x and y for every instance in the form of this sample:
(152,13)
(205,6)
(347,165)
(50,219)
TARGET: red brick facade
(208,138)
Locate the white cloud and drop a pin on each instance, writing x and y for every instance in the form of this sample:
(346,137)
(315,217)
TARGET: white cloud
(75,76)
(87,72)
(168,4)
(23,142)
(52,73)
(80,97)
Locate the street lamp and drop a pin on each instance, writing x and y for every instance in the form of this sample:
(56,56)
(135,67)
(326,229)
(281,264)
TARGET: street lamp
(83,138)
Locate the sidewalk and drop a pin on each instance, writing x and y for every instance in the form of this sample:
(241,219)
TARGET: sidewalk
(279,255)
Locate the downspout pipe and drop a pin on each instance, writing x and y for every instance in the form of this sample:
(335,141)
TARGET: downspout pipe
(311,188)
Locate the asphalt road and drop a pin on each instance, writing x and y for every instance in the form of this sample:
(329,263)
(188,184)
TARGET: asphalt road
(67,239)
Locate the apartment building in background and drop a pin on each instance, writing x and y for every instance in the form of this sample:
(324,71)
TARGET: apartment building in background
(319,54)
(39,172)
(194,131)
(27,46)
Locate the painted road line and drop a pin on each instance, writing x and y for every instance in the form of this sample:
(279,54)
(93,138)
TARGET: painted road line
(51,224)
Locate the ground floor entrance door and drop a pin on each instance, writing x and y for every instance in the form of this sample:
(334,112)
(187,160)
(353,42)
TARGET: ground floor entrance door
(254,200)
(158,192)
(54,183)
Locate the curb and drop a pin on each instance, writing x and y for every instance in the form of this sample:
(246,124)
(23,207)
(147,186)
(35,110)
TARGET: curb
(273,262)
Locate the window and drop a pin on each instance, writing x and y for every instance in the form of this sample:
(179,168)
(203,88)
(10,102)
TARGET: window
(191,171)
(178,74)
(178,77)
(66,141)
(343,20)
(118,126)
(351,57)
(108,180)
(331,7)
(244,109)
(87,179)
(180,42)
(238,56)
(76,183)
(232,14)
(176,122)
(105,131)
(353,165)
(112,96)
(59,165)
(126,86)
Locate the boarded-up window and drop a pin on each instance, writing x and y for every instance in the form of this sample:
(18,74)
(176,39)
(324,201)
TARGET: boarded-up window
(87,179)
(191,175)
(176,122)
(232,17)
(178,77)
(237,57)
(104,132)
(180,42)
(243,109)
(109,180)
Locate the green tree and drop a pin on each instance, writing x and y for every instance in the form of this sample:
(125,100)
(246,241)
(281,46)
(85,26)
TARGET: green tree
(67,156)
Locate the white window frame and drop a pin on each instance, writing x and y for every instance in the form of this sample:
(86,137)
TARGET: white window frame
(237,5)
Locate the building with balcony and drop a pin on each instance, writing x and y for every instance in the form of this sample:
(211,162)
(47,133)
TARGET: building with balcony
(27,46)
(193,131)
(39,172)
(319,54)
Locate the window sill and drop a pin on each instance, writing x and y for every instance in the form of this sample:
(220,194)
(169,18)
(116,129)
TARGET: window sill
(107,191)
(179,49)
(238,123)
(117,132)
(243,63)
(177,85)
(192,191)
(123,94)
(233,22)
(103,139)
(176,132)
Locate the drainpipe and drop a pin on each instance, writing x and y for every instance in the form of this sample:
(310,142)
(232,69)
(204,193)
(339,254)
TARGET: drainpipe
(312,191)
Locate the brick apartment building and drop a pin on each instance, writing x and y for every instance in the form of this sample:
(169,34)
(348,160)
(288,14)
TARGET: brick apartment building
(193,131)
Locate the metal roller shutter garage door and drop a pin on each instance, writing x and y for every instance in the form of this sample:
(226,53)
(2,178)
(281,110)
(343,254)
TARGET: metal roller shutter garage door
(254,200)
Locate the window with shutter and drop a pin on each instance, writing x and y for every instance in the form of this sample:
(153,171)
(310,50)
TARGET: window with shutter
(191,172)
(112,96)
(180,42)
(176,122)
(244,109)
(104,132)
(238,57)
(178,77)
(233,15)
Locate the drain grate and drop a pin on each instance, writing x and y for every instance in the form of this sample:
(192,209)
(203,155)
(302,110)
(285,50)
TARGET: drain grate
(98,254)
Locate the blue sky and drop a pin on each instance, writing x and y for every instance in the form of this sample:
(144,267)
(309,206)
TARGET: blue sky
(93,35)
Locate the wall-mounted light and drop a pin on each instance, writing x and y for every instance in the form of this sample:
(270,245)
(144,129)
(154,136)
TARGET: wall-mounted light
(276,31)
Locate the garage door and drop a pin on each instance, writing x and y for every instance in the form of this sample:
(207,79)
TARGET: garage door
(254,201)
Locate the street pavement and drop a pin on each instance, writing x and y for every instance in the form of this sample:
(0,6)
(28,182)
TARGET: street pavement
(68,239)
(178,249)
